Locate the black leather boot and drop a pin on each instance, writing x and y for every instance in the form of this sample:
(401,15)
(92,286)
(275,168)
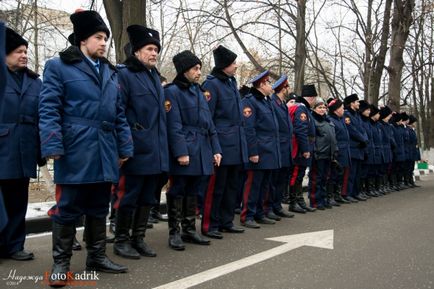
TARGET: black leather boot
(330,195)
(63,238)
(97,260)
(300,199)
(138,232)
(371,189)
(189,233)
(174,212)
(293,205)
(122,245)
(155,213)
(337,195)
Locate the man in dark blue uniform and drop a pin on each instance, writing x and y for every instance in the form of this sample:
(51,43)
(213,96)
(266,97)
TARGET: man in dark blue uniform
(358,142)
(369,151)
(414,149)
(375,174)
(19,144)
(84,129)
(343,158)
(302,146)
(262,133)
(388,142)
(193,145)
(143,100)
(280,177)
(224,100)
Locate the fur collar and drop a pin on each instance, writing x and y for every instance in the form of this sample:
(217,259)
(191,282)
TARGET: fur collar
(219,74)
(72,55)
(256,93)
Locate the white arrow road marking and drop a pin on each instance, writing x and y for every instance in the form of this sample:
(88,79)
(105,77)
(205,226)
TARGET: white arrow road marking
(320,239)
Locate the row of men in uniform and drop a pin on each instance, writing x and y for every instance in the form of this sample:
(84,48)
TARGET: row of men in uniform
(104,125)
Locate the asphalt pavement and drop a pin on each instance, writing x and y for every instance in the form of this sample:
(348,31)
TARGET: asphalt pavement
(386,242)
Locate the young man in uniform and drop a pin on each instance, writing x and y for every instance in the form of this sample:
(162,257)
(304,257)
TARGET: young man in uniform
(225,105)
(84,129)
(193,145)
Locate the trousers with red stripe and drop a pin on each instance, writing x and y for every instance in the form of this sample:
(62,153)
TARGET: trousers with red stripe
(318,176)
(136,191)
(297,174)
(76,200)
(220,198)
(255,188)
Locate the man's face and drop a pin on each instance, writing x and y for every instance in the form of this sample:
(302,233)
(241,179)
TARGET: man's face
(266,87)
(148,55)
(17,59)
(340,111)
(366,112)
(355,105)
(231,70)
(95,45)
(193,74)
(310,99)
(375,117)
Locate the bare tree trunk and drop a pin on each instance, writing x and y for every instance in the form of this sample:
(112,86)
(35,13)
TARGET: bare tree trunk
(368,53)
(300,48)
(380,58)
(401,22)
(121,14)
(36,35)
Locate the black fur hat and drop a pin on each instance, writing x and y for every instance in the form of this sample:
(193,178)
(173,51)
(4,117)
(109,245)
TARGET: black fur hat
(364,105)
(13,41)
(223,57)
(308,90)
(374,110)
(350,98)
(140,36)
(384,112)
(185,60)
(412,118)
(86,23)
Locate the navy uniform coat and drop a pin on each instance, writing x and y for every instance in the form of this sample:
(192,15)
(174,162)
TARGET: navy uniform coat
(19,138)
(415,152)
(399,150)
(285,130)
(388,141)
(82,120)
(304,132)
(190,129)
(369,150)
(225,105)
(343,141)
(262,131)
(143,100)
(377,140)
(2,59)
(358,137)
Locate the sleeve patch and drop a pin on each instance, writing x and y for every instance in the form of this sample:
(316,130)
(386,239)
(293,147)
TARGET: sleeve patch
(347,120)
(247,111)
(303,116)
(207,95)
(167,105)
